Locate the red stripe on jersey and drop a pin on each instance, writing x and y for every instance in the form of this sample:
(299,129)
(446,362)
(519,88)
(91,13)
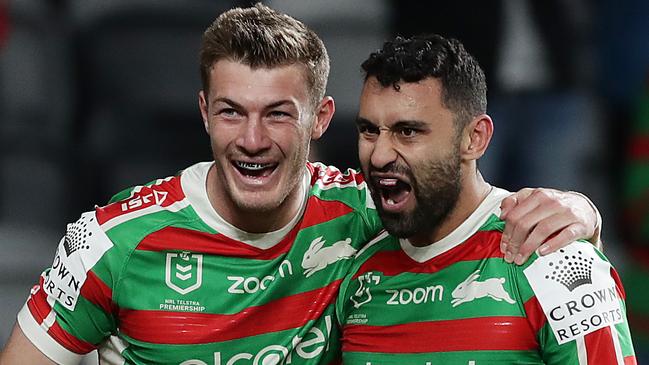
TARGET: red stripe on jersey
(38,306)
(630,360)
(197,328)
(37,303)
(535,314)
(328,175)
(483,244)
(68,341)
(618,283)
(40,309)
(98,293)
(181,239)
(320,211)
(164,194)
(173,238)
(600,348)
(471,334)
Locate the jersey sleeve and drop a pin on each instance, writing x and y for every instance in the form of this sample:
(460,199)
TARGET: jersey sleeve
(70,311)
(577,308)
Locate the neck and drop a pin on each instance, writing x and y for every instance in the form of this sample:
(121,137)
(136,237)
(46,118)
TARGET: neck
(473,191)
(253,220)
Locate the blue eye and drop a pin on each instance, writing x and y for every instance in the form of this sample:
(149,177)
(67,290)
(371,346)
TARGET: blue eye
(228,112)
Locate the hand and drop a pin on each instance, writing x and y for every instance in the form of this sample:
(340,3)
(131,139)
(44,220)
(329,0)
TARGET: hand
(548,218)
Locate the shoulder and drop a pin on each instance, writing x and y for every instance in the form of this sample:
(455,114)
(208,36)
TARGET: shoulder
(377,255)
(143,206)
(328,182)
(578,290)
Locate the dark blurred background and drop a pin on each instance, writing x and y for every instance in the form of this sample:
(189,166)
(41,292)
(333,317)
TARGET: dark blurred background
(99,95)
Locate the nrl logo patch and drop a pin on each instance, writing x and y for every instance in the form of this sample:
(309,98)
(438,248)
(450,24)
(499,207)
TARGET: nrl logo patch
(184,272)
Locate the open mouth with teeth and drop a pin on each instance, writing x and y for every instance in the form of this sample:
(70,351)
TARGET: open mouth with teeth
(394,193)
(253,169)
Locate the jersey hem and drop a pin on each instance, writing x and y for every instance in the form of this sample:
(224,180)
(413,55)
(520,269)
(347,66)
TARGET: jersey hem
(43,342)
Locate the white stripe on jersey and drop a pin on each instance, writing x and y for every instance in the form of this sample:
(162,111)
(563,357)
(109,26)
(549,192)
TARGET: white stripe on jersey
(138,213)
(110,351)
(373,241)
(49,320)
(581,350)
(616,343)
(46,344)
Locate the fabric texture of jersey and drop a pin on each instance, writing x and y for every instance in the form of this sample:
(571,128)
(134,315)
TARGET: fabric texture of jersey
(158,277)
(458,302)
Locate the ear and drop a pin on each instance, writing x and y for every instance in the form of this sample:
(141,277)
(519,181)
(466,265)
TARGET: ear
(323,114)
(476,137)
(314,243)
(202,105)
(473,277)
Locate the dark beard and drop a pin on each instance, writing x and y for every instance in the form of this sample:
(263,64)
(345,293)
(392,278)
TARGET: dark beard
(436,189)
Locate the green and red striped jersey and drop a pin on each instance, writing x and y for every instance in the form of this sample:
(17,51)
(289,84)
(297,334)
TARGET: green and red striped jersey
(158,277)
(457,301)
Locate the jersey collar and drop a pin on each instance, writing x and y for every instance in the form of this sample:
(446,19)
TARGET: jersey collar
(194,184)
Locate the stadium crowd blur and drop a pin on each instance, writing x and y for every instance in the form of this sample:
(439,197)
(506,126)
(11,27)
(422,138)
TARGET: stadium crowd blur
(98,95)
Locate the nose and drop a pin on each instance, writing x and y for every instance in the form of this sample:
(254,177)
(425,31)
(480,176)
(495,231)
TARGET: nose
(383,152)
(253,137)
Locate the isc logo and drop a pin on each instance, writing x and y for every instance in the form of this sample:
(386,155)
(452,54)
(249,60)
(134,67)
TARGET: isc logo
(155,196)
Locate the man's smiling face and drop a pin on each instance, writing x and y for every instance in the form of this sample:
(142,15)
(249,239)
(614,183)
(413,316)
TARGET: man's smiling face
(260,125)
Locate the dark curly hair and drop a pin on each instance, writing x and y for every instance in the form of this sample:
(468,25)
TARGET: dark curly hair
(464,90)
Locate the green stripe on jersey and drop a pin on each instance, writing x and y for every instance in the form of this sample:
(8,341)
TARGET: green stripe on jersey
(88,322)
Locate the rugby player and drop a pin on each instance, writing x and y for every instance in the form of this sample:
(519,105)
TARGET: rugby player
(237,260)
(437,290)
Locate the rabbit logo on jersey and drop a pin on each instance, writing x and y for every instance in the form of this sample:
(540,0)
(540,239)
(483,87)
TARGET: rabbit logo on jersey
(471,289)
(576,291)
(317,257)
(184,271)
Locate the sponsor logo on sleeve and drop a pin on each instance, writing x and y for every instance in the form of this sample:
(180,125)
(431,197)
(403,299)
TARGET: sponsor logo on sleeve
(576,291)
(144,200)
(79,250)
(184,271)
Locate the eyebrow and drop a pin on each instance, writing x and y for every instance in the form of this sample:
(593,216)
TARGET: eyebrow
(230,102)
(363,121)
(410,124)
(399,124)
(234,104)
